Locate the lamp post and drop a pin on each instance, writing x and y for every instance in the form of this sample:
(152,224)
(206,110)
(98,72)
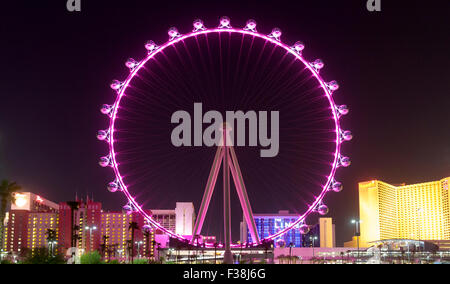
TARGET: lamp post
(139,247)
(90,228)
(313,239)
(52,245)
(357,223)
(291,245)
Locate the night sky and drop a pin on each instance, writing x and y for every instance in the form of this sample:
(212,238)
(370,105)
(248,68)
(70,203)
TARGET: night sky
(393,68)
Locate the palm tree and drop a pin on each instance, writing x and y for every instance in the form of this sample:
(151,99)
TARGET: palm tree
(104,246)
(7,190)
(133,226)
(146,233)
(74,205)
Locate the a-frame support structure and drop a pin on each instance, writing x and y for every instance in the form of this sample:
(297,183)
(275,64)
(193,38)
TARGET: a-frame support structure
(226,155)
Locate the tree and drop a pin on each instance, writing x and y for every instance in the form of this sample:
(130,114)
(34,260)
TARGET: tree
(146,233)
(7,190)
(133,226)
(42,256)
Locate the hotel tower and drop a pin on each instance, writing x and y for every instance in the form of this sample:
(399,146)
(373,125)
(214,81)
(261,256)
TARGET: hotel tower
(418,211)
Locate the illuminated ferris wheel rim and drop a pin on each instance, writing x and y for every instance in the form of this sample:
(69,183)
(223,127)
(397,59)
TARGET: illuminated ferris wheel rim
(225,27)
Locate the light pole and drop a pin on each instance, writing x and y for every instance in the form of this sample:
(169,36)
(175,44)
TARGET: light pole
(291,245)
(357,223)
(51,247)
(139,247)
(90,228)
(313,239)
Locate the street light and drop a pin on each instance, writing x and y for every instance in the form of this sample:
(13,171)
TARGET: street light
(357,223)
(52,245)
(313,239)
(139,247)
(90,228)
(291,245)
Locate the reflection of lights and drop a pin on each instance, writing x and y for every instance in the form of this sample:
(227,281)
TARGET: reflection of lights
(21,200)
(39,199)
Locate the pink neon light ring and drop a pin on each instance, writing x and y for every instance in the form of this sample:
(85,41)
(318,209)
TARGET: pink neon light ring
(273,38)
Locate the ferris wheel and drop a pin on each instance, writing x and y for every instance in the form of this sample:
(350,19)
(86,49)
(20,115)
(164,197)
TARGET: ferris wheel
(226,68)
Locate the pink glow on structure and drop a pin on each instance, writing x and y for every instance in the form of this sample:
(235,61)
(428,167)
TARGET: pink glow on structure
(273,38)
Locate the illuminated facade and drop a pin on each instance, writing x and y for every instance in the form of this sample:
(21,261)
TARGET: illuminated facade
(31,217)
(320,235)
(179,220)
(29,221)
(116,235)
(87,220)
(417,211)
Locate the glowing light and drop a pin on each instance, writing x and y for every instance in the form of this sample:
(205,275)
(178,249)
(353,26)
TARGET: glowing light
(102,135)
(198,26)
(250,26)
(104,162)
(337,186)
(113,187)
(347,135)
(317,64)
(151,46)
(116,85)
(106,109)
(333,86)
(323,209)
(276,34)
(304,229)
(21,200)
(274,38)
(131,63)
(298,47)
(173,33)
(343,110)
(224,23)
(345,161)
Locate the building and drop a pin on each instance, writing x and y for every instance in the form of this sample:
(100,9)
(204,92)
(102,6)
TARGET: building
(320,235)
(327,233)
(31,217)
(415,212)
(87,221)
(180,220)
(270,224)
(116,236)
(184,218)
(165,218)
(29,221)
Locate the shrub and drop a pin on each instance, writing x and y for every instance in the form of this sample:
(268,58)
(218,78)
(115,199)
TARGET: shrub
(42,256)
(140,261)
(91,258)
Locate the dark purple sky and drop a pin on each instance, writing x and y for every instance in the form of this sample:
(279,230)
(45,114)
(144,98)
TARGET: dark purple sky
(393,68)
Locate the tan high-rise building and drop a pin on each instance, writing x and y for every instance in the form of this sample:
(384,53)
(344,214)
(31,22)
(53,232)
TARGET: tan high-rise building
(417,211)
